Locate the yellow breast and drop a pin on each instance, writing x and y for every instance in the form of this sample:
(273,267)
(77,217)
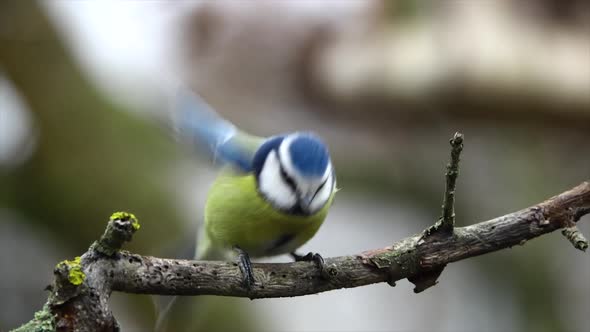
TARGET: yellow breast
(237,215)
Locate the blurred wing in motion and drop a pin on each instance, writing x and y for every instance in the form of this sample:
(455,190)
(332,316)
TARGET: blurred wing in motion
(198,123)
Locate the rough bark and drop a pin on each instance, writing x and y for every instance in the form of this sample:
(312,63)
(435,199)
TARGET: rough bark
(79,295)
(84,307)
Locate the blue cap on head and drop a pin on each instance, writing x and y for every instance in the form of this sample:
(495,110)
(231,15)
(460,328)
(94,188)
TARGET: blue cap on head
(309,155)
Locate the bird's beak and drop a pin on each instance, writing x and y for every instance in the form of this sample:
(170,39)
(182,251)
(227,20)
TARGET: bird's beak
(305,201)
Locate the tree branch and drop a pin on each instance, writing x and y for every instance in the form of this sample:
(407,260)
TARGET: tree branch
(80,292)
(576,237)
(448,208)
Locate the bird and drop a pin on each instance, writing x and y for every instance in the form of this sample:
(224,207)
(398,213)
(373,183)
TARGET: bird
(271,195)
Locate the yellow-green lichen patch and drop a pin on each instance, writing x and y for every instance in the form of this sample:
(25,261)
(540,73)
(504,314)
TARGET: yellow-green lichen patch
(43,322)
(127,216)
(123,216)
(135,224)
(75,274)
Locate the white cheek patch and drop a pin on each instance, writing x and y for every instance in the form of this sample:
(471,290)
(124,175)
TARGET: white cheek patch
(272,186)
(322,197)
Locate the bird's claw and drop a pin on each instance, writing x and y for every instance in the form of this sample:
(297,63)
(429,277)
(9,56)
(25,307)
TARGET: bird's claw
(317,259)
(245,266)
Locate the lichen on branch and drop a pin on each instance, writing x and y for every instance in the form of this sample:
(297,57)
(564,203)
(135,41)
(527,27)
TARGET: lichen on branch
(80,292)
(75,274)
(120,229)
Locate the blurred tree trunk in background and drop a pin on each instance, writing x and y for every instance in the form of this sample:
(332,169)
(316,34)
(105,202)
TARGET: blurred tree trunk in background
(91,157)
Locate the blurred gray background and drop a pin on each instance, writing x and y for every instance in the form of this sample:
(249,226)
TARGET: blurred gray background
(85,93)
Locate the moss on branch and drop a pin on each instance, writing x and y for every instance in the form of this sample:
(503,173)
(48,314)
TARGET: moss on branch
(120,229)
(80,292)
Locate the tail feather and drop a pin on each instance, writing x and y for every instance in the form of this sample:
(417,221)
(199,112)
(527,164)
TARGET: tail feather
(204,251)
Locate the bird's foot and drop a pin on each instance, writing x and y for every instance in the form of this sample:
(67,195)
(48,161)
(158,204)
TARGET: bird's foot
(245,266)
(317,259)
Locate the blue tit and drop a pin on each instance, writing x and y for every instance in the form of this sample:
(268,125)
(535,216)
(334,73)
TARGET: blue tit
(272,194)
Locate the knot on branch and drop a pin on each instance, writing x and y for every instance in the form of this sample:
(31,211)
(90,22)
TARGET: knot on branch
(425,279)
(446,223)
(579,213)
(120,229)
(456,145)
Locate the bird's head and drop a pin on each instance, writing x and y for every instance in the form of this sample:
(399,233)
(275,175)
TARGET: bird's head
(294,173)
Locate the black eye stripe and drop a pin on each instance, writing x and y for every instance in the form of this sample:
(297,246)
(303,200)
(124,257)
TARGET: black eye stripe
(291,182)
(320,188)
(288,179)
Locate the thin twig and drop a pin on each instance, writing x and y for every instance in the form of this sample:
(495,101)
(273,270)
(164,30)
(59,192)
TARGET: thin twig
(85,307)
(80,292)
(448,207)
(406,258)
(576,237)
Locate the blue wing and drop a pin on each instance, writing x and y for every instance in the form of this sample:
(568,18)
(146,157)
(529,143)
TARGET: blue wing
(201,125)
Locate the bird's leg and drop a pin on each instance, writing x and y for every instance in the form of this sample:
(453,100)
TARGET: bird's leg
(317,259)
(245,266)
